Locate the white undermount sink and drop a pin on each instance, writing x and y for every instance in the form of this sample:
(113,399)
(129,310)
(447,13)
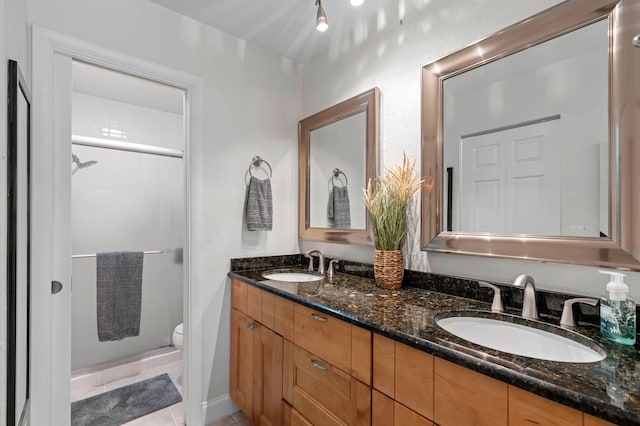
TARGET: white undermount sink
(292,277)
(523,340)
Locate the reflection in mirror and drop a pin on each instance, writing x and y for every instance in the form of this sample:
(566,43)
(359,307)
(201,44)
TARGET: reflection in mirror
(338,154)
(527,140)
(335,198)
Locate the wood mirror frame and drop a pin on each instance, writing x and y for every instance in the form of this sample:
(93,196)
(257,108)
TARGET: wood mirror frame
(622,249)
(368,102)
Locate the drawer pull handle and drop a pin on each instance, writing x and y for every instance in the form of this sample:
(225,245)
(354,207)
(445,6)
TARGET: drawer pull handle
(317,318)
(318,366)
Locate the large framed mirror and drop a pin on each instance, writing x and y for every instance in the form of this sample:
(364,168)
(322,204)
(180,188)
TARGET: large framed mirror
(338,154)
(527,140)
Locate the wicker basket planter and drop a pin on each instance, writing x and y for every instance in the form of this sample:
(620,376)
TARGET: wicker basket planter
(388,268)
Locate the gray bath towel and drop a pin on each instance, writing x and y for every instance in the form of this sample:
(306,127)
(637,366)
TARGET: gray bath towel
(259,209)
(338,209)
(119,294)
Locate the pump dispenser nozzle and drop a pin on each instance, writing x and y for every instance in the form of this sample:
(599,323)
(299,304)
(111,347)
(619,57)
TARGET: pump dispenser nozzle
(617,288)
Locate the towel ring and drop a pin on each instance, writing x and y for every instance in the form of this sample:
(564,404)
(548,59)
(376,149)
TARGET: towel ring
(257,161)
(336,175)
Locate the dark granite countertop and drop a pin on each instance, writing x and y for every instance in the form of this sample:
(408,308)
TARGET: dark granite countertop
(609,389)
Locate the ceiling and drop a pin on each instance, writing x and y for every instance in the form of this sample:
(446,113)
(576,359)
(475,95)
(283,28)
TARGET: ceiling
(286,27)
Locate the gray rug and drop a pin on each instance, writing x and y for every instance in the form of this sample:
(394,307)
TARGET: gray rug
(127,403)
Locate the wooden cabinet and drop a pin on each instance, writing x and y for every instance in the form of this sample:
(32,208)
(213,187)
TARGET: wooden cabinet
(295,366)
(463,396)
(526,409)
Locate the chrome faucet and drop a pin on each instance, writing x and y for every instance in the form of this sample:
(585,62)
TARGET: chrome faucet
(320,255)
(529,308)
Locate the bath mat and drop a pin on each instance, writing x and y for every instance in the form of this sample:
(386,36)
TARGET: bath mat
(127,403)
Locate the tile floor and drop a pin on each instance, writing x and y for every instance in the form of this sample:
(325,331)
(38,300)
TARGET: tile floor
(236,419)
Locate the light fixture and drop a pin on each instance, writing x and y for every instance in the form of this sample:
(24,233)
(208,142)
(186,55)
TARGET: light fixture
(356,2)
(321,18)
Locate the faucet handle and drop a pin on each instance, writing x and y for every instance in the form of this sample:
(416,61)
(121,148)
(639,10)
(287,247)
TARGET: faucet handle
(567,319)
(310,257)
(496,305)
(331,269)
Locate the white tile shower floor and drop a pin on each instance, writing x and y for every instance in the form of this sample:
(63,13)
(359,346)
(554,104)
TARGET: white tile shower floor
(170,416)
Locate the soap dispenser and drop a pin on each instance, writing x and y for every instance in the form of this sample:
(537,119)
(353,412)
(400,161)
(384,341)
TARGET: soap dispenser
(617,311)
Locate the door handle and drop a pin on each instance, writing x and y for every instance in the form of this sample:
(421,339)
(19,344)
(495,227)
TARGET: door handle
(56,287)
(318,366)
(317,318)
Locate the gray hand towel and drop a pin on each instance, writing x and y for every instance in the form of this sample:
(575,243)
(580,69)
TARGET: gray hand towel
(259,209)
(338,208)
(119,294)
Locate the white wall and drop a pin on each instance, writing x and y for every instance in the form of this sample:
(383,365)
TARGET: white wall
(252,103)
(127,201)
(384,53)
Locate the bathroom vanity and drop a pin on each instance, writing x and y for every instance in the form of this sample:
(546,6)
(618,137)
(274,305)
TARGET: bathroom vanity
(348,352)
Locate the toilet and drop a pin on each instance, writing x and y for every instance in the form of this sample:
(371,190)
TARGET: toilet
(178,335)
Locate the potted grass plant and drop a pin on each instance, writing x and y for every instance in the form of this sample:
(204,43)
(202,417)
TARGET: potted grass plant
(387,201)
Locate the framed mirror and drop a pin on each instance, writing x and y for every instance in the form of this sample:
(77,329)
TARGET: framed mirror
(527,136)
(338,154)
(18,245)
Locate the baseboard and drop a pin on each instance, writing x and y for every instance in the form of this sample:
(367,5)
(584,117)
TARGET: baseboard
(217,408)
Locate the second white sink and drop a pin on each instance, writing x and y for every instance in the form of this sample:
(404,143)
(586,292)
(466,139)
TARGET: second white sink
(518,339)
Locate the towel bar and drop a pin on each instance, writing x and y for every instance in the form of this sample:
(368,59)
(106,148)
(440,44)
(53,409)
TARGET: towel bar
(79,256)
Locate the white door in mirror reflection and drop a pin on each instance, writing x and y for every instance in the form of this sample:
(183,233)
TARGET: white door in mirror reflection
(510,181)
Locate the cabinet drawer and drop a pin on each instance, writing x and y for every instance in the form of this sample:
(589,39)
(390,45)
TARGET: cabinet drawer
(239,296)
(323,335)
(322,393)
(528,409)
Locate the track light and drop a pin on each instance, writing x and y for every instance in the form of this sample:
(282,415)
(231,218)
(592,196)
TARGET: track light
(356,2)
(321,18)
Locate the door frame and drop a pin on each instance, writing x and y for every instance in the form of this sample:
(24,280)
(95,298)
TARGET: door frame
(51,131)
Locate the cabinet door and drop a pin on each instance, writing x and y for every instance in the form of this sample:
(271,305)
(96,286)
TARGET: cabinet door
(414,379)
(267,377)
(527,409)
(242,361)
(464,397)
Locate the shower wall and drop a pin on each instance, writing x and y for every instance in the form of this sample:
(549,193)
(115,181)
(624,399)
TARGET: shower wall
(128,201)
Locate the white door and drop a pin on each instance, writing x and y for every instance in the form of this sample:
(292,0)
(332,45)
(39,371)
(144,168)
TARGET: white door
(510,181)
(51,241)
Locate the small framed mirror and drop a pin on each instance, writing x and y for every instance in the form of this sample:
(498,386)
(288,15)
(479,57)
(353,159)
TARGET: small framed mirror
(338,154)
